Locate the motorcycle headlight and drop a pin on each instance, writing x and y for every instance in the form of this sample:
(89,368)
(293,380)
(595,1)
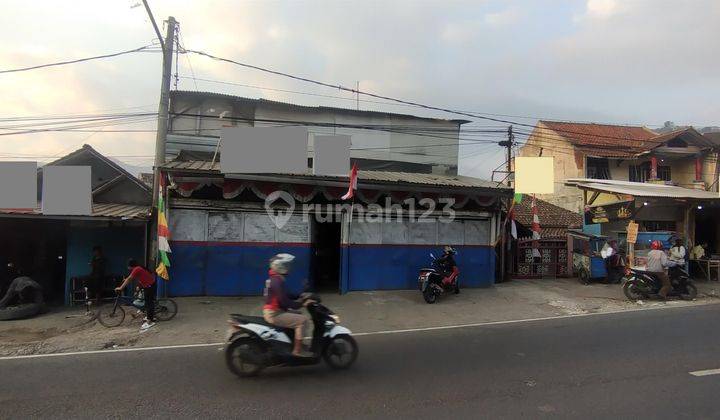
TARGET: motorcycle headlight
(335,318)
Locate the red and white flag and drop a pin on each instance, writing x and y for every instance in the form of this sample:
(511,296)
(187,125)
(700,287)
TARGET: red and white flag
(535,229)
(353,183)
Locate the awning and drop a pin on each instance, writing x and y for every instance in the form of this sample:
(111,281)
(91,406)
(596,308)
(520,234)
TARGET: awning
(640,189)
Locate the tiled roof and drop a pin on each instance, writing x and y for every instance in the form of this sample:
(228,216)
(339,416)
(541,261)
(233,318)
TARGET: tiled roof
(459,181)
(100,210)
(603,139)
(554,220)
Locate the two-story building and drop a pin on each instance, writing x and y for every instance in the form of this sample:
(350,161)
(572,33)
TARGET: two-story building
(224,230)
(683,158)
(613,174)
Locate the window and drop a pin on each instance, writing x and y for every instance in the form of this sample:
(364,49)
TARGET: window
(598,168)
(641,173)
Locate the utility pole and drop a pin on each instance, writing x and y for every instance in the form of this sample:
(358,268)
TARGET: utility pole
(164,106)
(509,144)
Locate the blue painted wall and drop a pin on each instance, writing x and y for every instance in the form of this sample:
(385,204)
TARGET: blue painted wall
(118,242)
(201,268)
(387,267)
(215,269)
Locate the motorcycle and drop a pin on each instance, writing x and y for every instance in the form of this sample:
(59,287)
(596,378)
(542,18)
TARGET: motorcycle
(253,344)
(433,283)
(640,284)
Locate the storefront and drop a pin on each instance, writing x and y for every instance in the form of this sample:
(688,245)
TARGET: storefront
(224,230)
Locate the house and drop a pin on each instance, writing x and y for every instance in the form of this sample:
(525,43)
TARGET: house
(55,249)
(380,140)
(555,222)
(224,228)
(683,158)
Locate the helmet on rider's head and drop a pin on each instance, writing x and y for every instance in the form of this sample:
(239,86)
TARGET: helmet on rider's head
(281,263)
(656,245)
(450,250)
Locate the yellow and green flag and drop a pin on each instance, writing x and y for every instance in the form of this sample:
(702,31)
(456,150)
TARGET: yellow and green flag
(163,232)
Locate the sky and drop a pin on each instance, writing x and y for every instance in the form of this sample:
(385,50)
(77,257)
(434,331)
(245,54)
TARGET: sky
(639,62)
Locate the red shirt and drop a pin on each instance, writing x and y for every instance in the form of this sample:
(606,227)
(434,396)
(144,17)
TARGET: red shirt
(142,276)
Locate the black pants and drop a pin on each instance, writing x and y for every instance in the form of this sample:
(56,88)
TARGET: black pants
(149,294)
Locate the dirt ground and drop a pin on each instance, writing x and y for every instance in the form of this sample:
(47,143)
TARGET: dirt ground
(203,319)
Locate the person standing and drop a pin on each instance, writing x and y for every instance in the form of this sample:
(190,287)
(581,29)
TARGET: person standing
(94,281)
(146,281)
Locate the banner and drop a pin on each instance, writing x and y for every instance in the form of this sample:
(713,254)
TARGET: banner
(624,211)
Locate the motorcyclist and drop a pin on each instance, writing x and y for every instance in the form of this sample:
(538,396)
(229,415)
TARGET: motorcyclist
(657,261)
(447,263)
(279,303)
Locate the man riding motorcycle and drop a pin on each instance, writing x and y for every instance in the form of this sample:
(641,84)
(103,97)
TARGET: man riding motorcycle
(657,261)
(447,263)
(278,302)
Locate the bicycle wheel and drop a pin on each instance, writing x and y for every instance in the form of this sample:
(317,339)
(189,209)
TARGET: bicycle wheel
(111,315)
(165,309)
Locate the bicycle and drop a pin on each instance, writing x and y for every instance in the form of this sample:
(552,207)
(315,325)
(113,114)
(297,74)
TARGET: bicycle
(113,315)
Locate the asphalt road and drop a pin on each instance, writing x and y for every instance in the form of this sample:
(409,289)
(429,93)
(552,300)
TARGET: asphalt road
(629,365)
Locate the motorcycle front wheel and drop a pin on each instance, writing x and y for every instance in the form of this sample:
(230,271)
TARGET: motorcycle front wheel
(691,292)
(244,357)
(341,352)
(429,295)
(632,291)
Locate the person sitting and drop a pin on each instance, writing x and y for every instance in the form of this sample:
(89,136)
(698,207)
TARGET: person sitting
(279,303)
(698,252)
(657,261)
(447,264)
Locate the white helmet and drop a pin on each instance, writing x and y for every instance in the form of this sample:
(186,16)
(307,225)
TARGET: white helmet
(281,263)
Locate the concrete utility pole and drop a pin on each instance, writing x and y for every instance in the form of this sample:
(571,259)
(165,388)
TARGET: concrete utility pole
(509,144)
(164,106)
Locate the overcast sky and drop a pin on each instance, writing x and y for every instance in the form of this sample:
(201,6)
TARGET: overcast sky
(617,61)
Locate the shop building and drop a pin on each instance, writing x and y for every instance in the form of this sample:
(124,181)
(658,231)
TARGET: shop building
(224,228)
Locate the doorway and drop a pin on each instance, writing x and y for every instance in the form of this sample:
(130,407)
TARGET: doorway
(325,262)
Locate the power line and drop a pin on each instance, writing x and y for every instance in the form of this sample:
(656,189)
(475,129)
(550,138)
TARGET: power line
(356,91)
(79,60)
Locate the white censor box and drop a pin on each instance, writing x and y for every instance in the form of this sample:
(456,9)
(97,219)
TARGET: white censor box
(534,175)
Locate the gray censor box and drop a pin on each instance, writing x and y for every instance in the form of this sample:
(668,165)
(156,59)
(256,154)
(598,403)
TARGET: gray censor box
(331,155)
(67,190)
(256,150)
(18,185)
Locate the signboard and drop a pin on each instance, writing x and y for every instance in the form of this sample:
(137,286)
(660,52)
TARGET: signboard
(632,232)
(610,213)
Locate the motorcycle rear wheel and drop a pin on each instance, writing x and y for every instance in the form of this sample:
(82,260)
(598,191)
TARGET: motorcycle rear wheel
(242,357)
(429,295)
(691,292)
(632,291)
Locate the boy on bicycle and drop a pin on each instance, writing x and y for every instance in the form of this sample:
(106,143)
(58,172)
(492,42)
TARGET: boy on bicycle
(147,283)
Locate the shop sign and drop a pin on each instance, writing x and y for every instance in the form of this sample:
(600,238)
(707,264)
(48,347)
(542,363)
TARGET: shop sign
(610,213)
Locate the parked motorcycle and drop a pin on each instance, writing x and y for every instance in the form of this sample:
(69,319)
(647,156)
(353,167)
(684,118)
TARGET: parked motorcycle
(640,284)
(433,283)
(254,344)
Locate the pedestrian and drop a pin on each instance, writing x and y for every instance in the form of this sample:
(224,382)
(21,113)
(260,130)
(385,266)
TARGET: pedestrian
(147,283)
(94,281)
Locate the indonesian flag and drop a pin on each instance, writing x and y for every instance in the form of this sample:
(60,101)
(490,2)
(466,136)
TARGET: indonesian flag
(353,183)
(163,233)
(535,229)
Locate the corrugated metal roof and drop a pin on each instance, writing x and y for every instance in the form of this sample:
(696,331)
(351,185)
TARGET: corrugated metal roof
(311,108)
(639,189)
(459,181)
(101,210)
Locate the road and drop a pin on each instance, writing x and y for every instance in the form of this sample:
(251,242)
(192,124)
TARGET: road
(628,365)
